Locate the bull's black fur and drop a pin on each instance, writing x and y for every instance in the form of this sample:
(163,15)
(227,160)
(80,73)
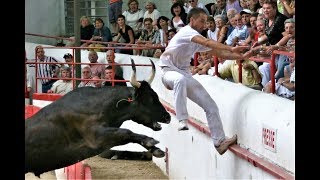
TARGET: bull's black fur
(85,122)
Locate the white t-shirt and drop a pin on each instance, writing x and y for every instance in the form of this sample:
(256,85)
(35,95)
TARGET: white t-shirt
(154,15)
(180,50)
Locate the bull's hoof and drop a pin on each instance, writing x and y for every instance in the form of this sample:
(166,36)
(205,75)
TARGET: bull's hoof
(151,142)
(158,153)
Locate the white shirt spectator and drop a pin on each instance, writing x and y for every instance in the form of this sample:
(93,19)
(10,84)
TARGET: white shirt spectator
(62,87)
(132,19)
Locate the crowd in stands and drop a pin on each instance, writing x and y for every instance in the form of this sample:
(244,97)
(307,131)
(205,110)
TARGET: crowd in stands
(263,25)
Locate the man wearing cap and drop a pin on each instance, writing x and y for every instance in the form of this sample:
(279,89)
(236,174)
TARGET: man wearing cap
(245,15)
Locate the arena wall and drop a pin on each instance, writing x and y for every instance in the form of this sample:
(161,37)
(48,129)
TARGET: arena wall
(191,154)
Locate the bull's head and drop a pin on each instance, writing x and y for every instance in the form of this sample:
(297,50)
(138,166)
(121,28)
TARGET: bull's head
(149,110)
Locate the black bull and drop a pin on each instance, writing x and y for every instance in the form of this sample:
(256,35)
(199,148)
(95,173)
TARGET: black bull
(85,122)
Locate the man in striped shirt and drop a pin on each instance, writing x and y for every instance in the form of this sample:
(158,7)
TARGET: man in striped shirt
(46,70)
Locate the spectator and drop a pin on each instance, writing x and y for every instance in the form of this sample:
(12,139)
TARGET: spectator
(243,4)
(97,83)
(108,76)
(157,53)
(86,32)
(274,24)
(114,10)
(260,10)
(240,33)
(251,77)
(222,28)
(134,17)
(69,59)
(110,56)
(179,16)
(233,4)
(96,69)
(288,7)
(195,3)
(212,29)
(163,25)
(245,16)
(205,61)
(231,23)
(149,37)
(285,87)
(253,5)
(219,8)
(171,33)
(62,86)
(127,33)
(151,12)
(86,75)
(46,70)
(101,33)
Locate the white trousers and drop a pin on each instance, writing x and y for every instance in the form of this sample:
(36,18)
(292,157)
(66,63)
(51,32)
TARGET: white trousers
(186,86)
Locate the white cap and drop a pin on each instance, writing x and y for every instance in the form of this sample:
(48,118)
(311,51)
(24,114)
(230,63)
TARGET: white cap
(245,11)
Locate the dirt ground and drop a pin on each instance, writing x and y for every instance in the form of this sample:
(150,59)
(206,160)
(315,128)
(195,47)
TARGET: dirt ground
(102,168)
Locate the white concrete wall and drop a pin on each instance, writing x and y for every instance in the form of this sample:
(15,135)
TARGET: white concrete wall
(243,111)
(45,17)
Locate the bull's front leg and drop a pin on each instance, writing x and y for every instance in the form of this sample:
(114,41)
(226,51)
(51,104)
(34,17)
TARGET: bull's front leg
(110,137)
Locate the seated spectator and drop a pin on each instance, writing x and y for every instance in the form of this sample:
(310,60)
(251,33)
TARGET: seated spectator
(62,86)
(245,15)
(233,4)
(195,3)
(101,33)
(126,32)
(46,70)
(251,77)
(96,69)
(212,32)
(179,16)
(110,56)
(157,53)
(86,74)
(231,21)
(97,83)
(222,28)
(219,8)
(134,17)
(240,33)
(285,87)
(108,76)
(288,8)
(163,26)
(171,33)
(86,32)
(205,62)
(151,12)
(149,37)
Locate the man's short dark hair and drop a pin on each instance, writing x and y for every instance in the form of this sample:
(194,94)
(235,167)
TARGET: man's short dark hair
(195,12)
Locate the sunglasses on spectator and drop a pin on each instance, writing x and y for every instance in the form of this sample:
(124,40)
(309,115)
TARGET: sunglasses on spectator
(191,1)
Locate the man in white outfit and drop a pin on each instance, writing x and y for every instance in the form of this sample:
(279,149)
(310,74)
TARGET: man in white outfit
(176,75)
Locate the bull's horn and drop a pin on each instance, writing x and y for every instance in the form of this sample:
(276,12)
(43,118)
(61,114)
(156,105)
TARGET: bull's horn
(133,80)
(153,72)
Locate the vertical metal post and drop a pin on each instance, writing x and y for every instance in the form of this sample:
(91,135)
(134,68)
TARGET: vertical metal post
(272,72)
(77,57)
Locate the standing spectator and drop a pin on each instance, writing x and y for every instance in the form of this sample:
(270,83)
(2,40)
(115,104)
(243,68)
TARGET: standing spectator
(134,17)
(176,76)
(127,33)
(46,70)
(110,56)
(114,10)
(108,76)
(219,8)
(179,16)
(96,69)
(62,86)
(101,33)
(151,12)
(86,32)
(86,74)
